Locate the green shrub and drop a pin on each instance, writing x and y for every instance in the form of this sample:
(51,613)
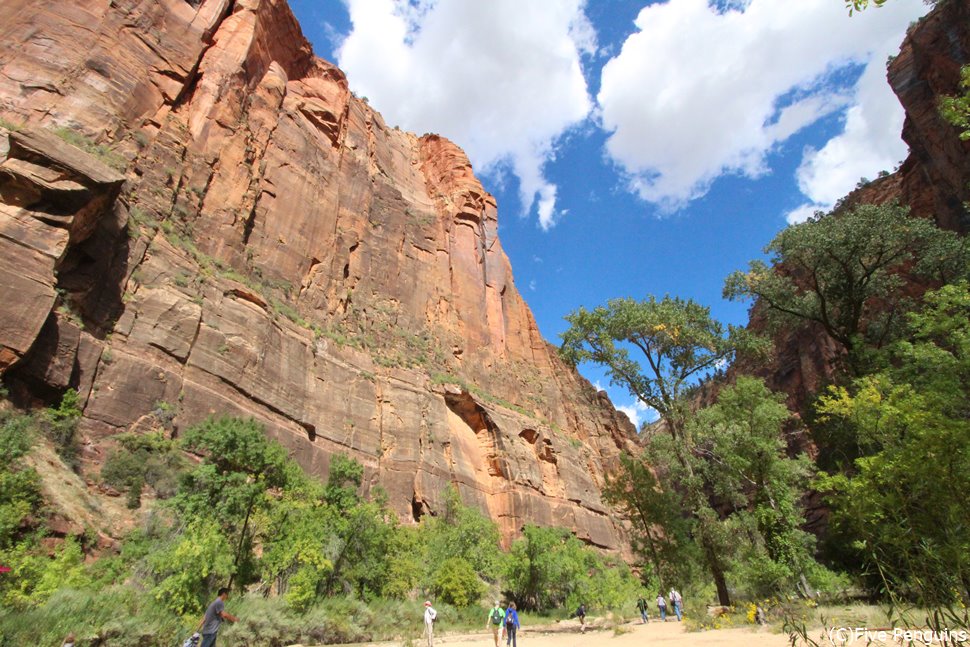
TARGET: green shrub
(456,582)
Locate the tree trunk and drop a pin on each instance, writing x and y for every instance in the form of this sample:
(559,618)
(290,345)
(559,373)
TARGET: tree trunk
(723,597)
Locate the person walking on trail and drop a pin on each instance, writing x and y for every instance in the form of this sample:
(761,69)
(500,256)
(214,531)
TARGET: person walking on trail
(429,617)
(662,605)
(511,624)
(642,608)
(215,613)
(581,614)
(677,601)
(495,619)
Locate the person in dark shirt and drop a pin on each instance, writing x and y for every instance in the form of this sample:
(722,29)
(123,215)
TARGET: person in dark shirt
(642,608)
(214,615)
(581,614)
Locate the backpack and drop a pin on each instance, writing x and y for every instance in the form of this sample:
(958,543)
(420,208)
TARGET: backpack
(509,621)
(496,617)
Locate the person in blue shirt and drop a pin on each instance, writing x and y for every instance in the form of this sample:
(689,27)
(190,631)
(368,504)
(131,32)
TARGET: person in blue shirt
(511,624)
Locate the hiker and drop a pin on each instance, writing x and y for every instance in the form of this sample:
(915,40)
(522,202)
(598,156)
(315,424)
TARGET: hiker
(760,616)
(69,641)
(642,608)
(430,615)
(677,601)
(662,605)
(215,613)
(511,624)
(581,614)
(495,619)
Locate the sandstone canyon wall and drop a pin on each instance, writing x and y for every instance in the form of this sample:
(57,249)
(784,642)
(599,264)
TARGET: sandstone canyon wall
(934,179)
(242,235)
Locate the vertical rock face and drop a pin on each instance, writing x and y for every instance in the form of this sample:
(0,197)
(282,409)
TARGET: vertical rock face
(934,180)
(275,251)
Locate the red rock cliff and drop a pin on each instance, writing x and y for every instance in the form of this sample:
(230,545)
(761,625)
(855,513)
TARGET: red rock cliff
(934,180)
(266,246)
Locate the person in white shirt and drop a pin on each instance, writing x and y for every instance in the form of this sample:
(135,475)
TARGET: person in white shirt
(429,617)
(677,601)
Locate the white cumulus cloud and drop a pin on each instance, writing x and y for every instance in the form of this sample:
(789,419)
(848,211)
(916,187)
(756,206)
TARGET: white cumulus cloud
(706,89)
(870,143)
(502,78)
(638,413)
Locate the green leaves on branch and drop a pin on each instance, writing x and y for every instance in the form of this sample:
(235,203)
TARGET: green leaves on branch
(656,349)
(847,273)
(903,508)
(956,109)
(549,567)
(860,5)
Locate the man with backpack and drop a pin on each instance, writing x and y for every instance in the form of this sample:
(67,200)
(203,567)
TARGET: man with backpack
(677,601)
(496,617)
(581,614)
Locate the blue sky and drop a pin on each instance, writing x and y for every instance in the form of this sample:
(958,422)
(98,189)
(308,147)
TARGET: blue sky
(634,147)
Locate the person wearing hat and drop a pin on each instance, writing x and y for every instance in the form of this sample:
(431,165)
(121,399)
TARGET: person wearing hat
(495,619)
(429,617)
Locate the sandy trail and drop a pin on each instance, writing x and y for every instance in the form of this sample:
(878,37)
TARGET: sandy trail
(566,634)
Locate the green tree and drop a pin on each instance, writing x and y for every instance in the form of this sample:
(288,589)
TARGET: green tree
(744,463)
(462,532)
(298,535)
(144,459)
(232,484)
(956,109)
(677,343)
(59,425)
(846,272)
(360,531)
(190,565)
(660,533)
(904,508)
(544,567)
(20,495)
(457,583)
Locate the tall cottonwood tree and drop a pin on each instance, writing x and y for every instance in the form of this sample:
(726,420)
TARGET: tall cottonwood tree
(658,350)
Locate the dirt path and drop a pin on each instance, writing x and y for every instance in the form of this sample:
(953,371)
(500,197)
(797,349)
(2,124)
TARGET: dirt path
(566,634)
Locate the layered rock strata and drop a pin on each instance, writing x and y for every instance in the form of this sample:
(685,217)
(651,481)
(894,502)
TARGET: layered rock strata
(267,246)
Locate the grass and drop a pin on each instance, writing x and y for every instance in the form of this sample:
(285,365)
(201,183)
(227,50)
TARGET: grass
(102,152)
(9,125)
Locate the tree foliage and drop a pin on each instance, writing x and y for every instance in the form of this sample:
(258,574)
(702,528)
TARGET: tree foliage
(745,464)
(956,109)
(656,349)
(903,510)
(847,272)
(660,534)
(860,5)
